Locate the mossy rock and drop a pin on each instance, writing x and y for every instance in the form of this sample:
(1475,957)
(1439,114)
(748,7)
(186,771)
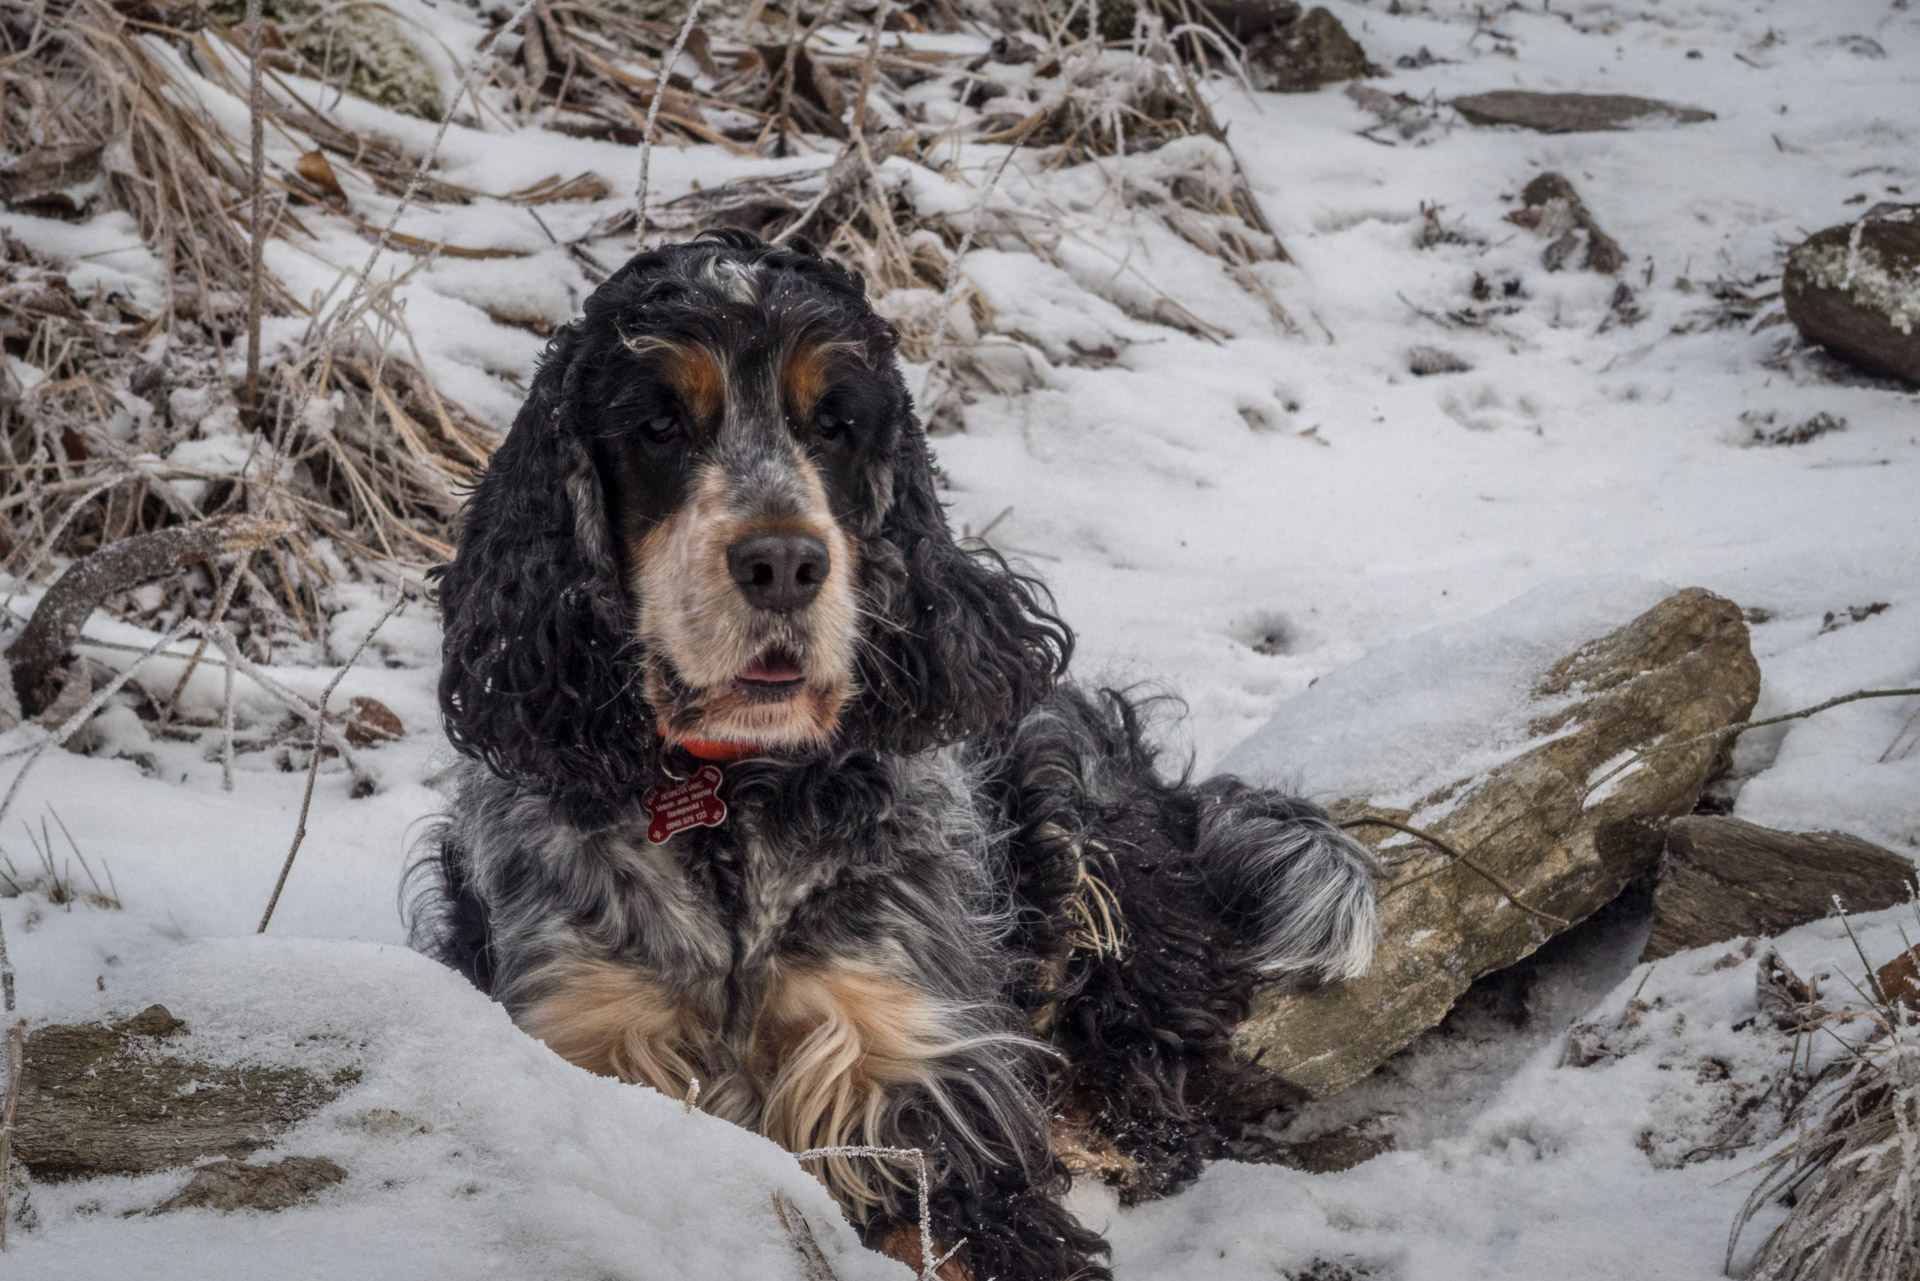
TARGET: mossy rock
(132,1097)
(365,46)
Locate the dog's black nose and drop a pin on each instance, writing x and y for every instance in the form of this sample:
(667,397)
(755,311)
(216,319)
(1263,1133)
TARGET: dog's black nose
(780,572)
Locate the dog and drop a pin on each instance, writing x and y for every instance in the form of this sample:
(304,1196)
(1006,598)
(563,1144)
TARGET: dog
(770,784)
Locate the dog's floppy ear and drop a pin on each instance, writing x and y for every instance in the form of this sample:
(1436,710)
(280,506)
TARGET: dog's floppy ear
(957,644)
(538,677)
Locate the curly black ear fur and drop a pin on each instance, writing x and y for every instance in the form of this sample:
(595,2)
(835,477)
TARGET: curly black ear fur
(957,644)
(538,680)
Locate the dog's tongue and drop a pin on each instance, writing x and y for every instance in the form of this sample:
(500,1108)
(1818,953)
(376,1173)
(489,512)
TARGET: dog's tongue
(773,668)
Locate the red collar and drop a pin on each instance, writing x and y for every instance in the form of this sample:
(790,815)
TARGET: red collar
(714,750)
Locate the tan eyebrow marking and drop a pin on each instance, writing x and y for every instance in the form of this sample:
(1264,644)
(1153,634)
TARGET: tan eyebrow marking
(692,370)
(807,372)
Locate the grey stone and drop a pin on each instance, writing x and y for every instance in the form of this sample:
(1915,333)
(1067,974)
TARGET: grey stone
(1571,112)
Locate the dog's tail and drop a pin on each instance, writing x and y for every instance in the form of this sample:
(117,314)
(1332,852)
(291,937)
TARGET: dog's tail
(1301,887)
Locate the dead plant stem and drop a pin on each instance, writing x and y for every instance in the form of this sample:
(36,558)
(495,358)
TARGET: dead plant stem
(1512,895)
(653,116)
(313,765)
(257,216)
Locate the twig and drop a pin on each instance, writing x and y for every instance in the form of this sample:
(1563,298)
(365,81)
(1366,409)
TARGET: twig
(313,766)
(1904,731)
(226,724)
(73,723)
(844,172)
(220,605)
(361,281)
(16,1060)
(813,1259)
(929,1264)
(256,219)
(1512,895)
(935,346)
(653,115)
(1734,731)
(16,1067)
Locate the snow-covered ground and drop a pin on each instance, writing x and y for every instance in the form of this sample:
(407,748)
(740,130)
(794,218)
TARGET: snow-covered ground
(1231,517)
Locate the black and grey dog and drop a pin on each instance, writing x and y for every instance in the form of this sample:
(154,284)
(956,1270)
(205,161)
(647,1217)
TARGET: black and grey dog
(774,786)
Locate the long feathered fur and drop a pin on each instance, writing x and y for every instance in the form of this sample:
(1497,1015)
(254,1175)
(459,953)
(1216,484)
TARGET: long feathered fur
(977,905)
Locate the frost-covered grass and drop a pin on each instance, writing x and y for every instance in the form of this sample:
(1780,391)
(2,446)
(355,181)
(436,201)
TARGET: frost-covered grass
(1232,515)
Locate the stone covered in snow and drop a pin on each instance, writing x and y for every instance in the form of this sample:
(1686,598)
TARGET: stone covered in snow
(1513,739)
(1855,290)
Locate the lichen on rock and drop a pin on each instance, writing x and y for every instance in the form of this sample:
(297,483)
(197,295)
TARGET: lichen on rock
(362,48)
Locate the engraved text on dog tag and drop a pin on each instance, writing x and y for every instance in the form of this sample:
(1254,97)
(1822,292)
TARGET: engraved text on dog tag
(694,803)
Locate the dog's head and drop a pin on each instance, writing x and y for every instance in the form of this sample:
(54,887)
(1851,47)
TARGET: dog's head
(715,520)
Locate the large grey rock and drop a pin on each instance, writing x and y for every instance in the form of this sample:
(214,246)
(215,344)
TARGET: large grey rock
(1855,290)
(131,1098)
(1724,879)
(1571,112)
(1542,795)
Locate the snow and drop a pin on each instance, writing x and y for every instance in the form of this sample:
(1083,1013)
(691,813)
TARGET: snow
(472,1151)
(1234,516)
(1453,701)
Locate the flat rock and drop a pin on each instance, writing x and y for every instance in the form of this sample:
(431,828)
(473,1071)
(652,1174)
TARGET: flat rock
(1301,56)
(1518,755)
(1572,112)
(1855,290)
(130,1097)
(237,1185)
(1725,879)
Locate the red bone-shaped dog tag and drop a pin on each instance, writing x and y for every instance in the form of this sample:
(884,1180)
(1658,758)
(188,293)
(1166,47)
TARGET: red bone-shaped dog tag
(694,803)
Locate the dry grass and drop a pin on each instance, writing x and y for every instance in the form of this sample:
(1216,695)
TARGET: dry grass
(1851,1179)
(356,448)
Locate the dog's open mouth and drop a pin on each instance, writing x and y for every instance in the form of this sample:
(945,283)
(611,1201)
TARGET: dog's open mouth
(773,676)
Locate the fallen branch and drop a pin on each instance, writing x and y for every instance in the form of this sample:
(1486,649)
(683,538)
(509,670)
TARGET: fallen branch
(49,635)
(1512,895)
(313,765)
(1735,731)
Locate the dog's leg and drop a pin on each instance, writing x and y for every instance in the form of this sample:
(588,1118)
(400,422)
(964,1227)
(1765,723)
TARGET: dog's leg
(1197,892)
(610,1019)
(853,1056)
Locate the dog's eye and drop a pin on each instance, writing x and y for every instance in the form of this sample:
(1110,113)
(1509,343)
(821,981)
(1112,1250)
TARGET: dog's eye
(661,428)
(830,426)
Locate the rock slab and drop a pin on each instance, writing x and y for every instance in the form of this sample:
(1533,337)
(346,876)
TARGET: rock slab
(130,1098)
(1725,879)
(1855,290)
(1563,822)
(1571,112)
